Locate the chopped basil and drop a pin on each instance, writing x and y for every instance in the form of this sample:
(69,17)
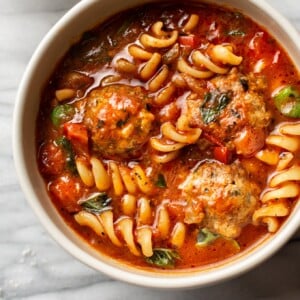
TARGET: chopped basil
(161,181)
(287,101)
(121,123)
(205,237)
(236,32)
(213,105)
(62,113)
(69,152)
(96,203)
(162,257)
(244,83)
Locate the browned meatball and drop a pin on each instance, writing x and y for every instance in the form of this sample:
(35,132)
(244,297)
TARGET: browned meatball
(220,197)
(118,120)
(232,110)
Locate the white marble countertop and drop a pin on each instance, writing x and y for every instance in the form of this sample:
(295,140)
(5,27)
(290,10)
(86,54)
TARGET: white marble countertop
(32,266)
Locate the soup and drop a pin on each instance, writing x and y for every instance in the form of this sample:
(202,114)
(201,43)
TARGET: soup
(168,136)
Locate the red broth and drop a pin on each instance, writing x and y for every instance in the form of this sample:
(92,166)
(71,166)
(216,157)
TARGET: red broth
(101,106)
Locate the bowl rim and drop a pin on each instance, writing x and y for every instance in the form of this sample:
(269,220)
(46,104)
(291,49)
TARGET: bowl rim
(195,279)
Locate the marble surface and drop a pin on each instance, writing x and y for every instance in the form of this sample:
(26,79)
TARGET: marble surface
(32,266)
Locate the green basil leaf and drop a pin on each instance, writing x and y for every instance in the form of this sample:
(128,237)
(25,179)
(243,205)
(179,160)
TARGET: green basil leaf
(205,237)
(213,105)
(96,203)
(69,152)
(162,257)
(161,181)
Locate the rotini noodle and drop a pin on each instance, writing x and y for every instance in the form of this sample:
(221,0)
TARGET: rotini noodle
(156,83)
(285,158)
(285,182)
(125,226)
(64,94)
(144,211)
(184,67)
(85,218)
(178,235)
(144,238)
(290,129)
(101,177)
(157,29)
(163,222)
(191,23)
(200,60)
(292,173)
(124,66)
(139,53)
(84,172)
(287,190)
(106,219)
(121,178)
(173,139)
(278,209)
(151,66)
(225,55)
(290,143)
(149,41)
(104,225)
(272,223)
(165,95)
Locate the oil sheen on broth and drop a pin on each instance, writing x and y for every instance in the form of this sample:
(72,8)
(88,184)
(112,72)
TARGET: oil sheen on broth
(168,136)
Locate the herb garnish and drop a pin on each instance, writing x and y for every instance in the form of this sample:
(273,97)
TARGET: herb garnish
(161,181)
(213,105)
(96,203)
(162,257)
(205,237)
(69,152)
(244,83)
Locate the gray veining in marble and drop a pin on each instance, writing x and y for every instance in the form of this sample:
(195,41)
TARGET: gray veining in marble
(34,267)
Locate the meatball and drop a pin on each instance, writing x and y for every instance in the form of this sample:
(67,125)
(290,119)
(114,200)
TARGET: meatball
(118,120)
(220,197)
(232,110)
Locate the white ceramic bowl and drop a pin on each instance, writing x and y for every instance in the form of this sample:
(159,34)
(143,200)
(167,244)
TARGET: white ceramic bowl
(82,17)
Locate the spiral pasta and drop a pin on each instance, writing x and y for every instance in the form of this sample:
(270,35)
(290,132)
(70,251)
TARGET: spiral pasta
(284,184)
(153,68)
(173,139)
(136,233)
(121,178)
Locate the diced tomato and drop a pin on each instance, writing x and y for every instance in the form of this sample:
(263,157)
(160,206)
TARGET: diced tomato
(222,154)
(176,211)
(67,190)
(249,141)
(51,159)
(76,132)
(189,41)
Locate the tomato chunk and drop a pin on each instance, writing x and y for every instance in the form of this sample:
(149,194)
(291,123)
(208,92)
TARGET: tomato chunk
(67,190)
(188,41)
(222,154)
(76,132)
